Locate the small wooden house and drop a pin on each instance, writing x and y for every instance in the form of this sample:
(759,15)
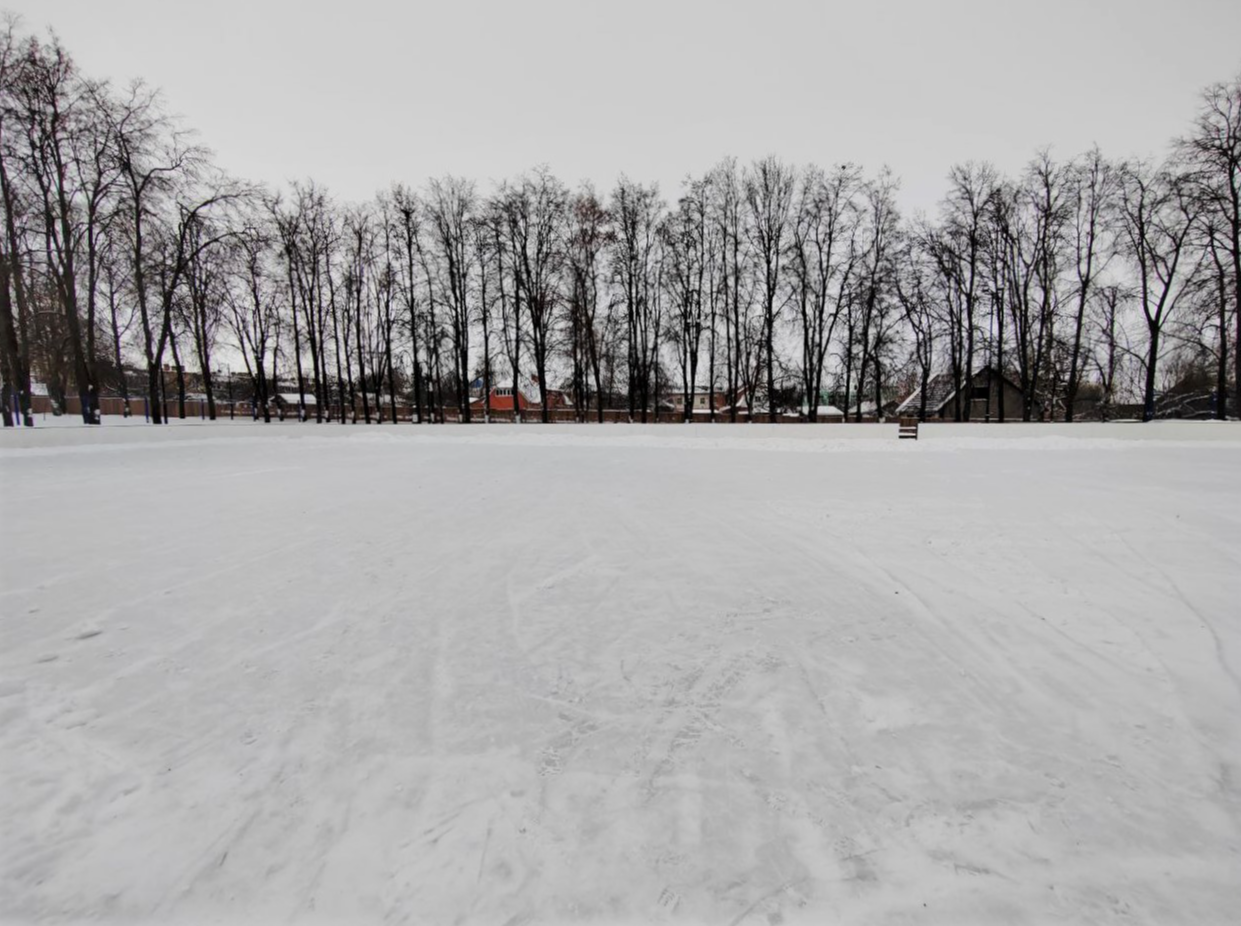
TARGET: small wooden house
(988,391)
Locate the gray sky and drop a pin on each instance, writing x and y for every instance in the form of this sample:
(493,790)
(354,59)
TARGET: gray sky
(357,94)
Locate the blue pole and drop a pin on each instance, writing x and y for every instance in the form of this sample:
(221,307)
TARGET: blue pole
(146,409)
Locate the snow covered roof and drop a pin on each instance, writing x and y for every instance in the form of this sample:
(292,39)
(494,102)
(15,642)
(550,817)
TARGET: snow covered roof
(939,389)
(527,385)
(824,411)
(290,398)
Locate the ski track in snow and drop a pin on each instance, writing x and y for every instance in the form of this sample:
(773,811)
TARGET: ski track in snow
(531,677)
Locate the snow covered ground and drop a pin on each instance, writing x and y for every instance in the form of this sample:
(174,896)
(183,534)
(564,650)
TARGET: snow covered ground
(525,675)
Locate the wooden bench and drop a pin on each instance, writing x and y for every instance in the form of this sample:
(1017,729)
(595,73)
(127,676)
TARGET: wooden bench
(908,429)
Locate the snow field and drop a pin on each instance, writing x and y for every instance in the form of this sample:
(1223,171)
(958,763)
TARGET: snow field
(527,676)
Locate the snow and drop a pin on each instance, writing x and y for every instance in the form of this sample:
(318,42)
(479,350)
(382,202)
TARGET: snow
(678,674)
(824,411)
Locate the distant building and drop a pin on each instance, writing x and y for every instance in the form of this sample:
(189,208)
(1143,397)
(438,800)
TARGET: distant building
(285,403)
(528,397)
(501,400)
(824,413)
(700,399)
(979,401)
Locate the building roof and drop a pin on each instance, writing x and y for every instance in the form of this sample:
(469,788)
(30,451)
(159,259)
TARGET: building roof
(939,390)
(824,411)
(290,398)
(527,385)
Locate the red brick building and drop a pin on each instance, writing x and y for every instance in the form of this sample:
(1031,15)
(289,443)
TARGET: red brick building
(527,399)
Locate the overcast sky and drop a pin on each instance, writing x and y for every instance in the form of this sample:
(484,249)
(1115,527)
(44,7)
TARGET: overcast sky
(360,93)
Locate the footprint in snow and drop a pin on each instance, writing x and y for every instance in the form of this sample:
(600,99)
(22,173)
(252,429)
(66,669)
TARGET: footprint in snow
(550,764)
(84,630)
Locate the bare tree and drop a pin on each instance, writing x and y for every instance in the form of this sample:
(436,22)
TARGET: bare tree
(913,293)
(957,248)
(588,235)
(769,194)
(1213,149)
(880,222)
(409,220)
(637,210)
(14,292)
(489,282)
(1092,201)
(509,293)
(1031,219)
(451,204)
(253,314)
(202,310)
(684,238)
(1158,216)
(162,205)
(536,213)
(308,234)
(55,110)
(1111,343)
(822,262)
(735,286)
(121,312)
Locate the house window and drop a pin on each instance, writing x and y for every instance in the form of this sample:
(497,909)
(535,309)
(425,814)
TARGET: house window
(980,393)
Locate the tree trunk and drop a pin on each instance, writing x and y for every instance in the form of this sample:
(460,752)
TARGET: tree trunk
(771,359)
(1221,378)
(1152,357)
(16,375)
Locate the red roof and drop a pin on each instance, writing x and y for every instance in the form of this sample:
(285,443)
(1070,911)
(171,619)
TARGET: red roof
(502,400)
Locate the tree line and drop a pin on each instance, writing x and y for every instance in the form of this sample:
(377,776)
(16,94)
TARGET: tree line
(766,285)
